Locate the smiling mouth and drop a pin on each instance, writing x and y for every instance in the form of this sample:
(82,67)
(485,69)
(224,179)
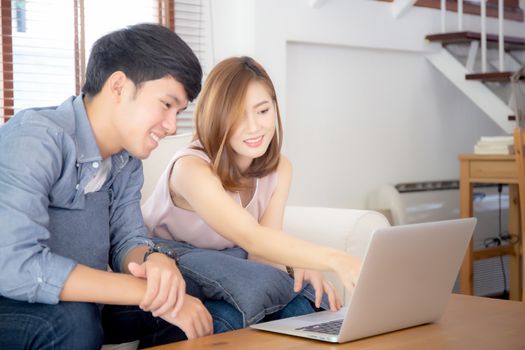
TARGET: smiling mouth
(155,137)
(254,142)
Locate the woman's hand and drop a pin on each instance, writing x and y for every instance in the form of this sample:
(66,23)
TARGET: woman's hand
(347,268)
(320,284)
(193,319)
(165,285)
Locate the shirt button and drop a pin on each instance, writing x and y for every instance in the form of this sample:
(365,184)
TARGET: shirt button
(95,165)
(78,165)
(40,280)
(77,186)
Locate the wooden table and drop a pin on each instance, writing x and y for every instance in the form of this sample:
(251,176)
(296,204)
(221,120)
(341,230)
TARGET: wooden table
(491,169)
(468,323)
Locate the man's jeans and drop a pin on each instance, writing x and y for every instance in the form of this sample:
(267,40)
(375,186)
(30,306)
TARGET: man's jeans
(70,325)
(42,326)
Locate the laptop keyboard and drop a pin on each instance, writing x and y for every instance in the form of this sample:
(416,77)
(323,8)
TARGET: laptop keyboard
(331,327)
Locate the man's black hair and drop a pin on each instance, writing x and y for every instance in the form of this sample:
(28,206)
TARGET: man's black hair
(143,52)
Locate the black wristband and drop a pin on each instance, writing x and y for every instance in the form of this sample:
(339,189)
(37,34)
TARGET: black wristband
(290,271)
(162,248)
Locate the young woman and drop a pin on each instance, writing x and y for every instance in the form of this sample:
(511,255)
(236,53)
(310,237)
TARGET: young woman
(228,189)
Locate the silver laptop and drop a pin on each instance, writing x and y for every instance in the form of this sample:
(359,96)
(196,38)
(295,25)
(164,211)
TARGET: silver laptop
(406,279)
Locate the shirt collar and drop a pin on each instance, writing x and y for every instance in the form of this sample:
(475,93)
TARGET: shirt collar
(87,148)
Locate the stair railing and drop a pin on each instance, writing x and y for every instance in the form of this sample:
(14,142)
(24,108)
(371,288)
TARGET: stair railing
(483,16)
(443,15)
(460,15)
(501,44)
(518,96)
(483,7)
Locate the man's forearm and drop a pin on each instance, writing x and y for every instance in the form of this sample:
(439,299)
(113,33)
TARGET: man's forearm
(86,284)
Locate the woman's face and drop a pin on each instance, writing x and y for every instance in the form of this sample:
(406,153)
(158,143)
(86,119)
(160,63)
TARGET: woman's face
(253,134)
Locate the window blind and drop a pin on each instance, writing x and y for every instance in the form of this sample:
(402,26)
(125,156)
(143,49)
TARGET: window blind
(45,44)
(192,24)
(38,67)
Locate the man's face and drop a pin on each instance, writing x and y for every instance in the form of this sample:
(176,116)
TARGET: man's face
(148,114)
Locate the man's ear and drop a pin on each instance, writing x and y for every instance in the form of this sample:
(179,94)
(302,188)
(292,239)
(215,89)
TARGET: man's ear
(116,83)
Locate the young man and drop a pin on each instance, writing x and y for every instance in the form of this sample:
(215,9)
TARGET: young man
(70,180)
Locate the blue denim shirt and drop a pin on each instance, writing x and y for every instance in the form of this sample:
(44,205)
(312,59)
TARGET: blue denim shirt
(47,156)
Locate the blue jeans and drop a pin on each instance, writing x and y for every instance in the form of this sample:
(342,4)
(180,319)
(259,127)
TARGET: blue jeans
(71,326)
(299,305)
(41,326)
(224,275)
(227,318)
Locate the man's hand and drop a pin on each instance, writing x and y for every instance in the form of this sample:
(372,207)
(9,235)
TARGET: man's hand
(194,319)
(320,284)
(165,285)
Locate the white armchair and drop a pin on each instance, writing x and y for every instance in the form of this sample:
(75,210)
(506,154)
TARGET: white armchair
(345,229)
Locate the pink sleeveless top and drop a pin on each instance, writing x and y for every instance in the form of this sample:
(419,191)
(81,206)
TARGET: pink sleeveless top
(164,220)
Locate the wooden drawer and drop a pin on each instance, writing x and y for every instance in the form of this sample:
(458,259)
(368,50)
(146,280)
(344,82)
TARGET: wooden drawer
(493,171)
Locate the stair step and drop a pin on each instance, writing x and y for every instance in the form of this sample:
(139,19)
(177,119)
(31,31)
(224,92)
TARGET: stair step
(511,42)
(492,76)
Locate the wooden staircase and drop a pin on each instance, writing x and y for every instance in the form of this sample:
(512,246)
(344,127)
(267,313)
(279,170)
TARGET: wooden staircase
(511,44)
(491,76)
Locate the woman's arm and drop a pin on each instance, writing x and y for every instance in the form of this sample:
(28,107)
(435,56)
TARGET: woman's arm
(193,179)
(274,214)
(273,217)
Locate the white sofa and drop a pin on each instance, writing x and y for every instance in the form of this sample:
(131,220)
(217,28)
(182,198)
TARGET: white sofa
(346,229)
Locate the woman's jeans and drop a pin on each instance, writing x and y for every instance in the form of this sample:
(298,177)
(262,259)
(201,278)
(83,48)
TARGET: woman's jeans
(254,289)
(227,318)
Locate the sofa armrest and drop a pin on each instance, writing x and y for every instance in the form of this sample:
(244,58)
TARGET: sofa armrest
(344,229)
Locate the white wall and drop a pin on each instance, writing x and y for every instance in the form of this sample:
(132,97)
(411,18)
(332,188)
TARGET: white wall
(360,118)
(361,104)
